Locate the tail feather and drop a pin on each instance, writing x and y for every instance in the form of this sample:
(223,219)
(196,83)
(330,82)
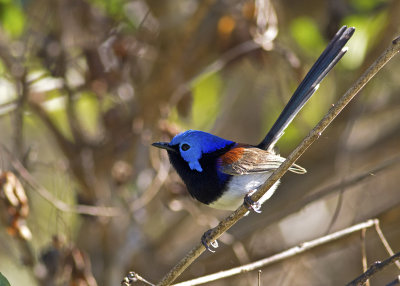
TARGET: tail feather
(326,61)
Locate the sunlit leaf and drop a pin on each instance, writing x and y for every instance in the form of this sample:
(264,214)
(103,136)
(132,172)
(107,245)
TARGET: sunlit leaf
(307,35)
(12,19)
(366,5)
(88,110)
(3,281)
(206,101)
(111,7)
(55,107)
(367,30)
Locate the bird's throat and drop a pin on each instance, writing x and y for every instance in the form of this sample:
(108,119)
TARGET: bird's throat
(209,184)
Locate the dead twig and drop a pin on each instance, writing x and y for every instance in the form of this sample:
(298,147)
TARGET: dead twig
(364,250)
(385,243)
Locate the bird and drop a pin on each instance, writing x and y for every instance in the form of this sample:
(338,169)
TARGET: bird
(224,174)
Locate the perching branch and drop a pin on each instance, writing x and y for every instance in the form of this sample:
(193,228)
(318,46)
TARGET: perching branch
(376,267)
(228,222)
(303,247)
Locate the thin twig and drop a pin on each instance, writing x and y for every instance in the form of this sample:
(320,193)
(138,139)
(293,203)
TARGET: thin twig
(228,222)
(23,89)
(282,255)
(341,163)
(60,205)
(336,213)
(152,190)
(385,243)
(364,250)
(374,268)
(344,185)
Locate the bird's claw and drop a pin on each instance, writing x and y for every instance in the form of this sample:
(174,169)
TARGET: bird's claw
(252,205)
(129,279)
(206,241)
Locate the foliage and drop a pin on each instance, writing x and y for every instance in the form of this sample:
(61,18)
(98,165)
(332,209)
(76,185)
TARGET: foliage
(3,281)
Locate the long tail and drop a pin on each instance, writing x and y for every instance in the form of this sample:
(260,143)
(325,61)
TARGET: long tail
(326,61)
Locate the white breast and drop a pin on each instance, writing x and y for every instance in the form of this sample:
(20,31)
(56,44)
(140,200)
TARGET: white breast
(239,186)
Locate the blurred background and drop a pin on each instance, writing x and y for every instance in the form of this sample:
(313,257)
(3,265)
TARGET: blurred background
(87,85)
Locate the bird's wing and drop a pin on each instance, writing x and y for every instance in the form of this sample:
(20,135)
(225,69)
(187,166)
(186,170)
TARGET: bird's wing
(250,160)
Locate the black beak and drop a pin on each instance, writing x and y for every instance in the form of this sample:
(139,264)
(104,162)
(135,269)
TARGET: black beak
(164,145)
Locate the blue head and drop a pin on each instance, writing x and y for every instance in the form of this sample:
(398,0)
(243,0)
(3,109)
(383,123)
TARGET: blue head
(191,145)
(194,155)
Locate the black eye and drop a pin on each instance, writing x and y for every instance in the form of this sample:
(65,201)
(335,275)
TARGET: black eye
(185,147)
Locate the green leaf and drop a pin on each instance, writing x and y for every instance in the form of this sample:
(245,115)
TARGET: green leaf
(88,112)
(55,108)
(4,281)
(2,68)
(12,19)
(206,93)
(305,31)
(368,29)
(114,8)
(367,5)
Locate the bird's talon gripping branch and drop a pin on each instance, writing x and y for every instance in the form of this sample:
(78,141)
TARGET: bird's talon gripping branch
(251,205)
(207,242)
(129,279)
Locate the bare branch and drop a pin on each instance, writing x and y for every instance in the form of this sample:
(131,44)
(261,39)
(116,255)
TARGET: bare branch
(281,256)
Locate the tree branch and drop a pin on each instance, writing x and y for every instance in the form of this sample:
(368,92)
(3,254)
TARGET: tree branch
(374,268)
(228,222)
(282,255)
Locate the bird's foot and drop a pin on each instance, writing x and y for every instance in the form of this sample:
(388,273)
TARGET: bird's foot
(129,279)
(252,205)
(207,242)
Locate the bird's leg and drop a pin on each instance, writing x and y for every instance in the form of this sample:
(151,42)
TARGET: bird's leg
(206,241)
(129,279)
(250,204)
